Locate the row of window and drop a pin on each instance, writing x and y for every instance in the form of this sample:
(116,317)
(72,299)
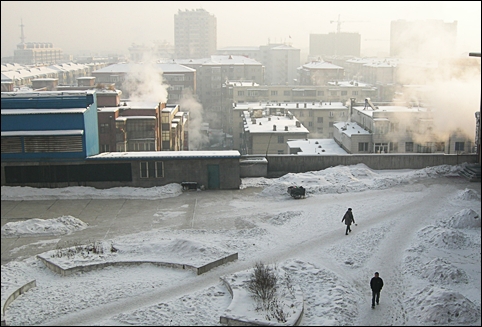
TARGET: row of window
(288,93)
(151,169)
(429,147)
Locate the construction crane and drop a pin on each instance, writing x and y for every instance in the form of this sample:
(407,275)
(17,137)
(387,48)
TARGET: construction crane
(338,23)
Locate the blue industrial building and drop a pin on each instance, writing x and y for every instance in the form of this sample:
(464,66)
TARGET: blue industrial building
(49,126)
(51,139)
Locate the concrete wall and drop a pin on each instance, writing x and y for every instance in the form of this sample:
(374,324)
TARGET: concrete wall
(279,165)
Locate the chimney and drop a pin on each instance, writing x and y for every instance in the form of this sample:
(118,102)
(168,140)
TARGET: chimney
(297,105)
(274,127)
(305,104)
(286,128)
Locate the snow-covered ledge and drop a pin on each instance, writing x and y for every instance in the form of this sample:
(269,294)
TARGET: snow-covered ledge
(242,310)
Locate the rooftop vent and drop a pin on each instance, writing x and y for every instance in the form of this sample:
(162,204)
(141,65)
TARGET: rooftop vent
(274,127)
(286,128)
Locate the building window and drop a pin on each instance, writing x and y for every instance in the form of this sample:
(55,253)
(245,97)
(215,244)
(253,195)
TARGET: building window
(408,146)
(287,93)
(105,148)
(332,114)
(104,128)
(281,152)
(281,139)
(319,120)
(354,92)
(343,92)
(330,124)
(274,92)
(333,93)
(159,169)
(394,147)
(321,92)
(144,169)
(459,146)
(363,147)
(310,124)
(241,93)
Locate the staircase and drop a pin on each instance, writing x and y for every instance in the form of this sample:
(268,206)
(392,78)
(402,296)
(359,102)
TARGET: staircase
(471,172)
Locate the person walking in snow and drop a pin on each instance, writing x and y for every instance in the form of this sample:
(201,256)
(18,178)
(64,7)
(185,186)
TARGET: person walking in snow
(349,219)
(376,284)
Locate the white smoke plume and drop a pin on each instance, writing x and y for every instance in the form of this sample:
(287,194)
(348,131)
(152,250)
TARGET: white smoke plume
(451,82)
(197,138)
(145,83)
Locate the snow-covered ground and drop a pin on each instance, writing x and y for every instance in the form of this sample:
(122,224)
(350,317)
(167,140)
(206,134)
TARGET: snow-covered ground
(420,229)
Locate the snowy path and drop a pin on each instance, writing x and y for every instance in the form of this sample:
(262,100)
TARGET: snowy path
(396,222)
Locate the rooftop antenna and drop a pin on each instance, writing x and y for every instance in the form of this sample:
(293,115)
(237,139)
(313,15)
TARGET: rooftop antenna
(22,36)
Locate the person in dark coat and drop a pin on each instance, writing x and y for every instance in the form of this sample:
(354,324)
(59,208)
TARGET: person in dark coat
(349,219)
(376,284)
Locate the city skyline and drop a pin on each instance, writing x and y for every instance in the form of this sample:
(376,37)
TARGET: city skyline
(113,29)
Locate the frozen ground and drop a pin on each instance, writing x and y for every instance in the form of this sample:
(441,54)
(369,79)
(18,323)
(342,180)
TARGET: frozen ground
(419,228)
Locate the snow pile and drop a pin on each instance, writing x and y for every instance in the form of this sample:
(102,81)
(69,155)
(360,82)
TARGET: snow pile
(56,226)
(171,251)
(16,193)
(444,238)
(431,305)
(342,179)
(468,195)
(465,218)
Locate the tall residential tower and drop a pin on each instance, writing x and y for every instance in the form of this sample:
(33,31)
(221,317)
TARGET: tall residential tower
(194,34)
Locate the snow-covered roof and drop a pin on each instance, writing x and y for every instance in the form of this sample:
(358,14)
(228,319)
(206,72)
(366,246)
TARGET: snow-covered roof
(316,146)
(265,124)
(165,67)
(166,155)
(43,111)
(134,117)
(350,128)
(370,111)
(290,105)
(321,65)
(44,132)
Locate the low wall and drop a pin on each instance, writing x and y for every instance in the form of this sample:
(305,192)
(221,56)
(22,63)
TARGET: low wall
(279,165)
(253,167)
(85,268)
(214,264)
(14,295)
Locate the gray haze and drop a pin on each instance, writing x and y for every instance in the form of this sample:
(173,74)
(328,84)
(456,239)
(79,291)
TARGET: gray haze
(102,28)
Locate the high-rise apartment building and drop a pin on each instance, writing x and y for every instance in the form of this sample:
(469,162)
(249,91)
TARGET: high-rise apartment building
(195,34)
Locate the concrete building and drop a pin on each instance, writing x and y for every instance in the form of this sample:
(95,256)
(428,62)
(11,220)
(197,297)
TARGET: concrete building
(37,53)
(261,129)
(396,128)
(414,38)
(51,139)
(280,60)
(195,34)
(171,76)
(212,75)
(319,73)
(341,91)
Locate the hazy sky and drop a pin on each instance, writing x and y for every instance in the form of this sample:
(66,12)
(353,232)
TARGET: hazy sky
(102,27)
